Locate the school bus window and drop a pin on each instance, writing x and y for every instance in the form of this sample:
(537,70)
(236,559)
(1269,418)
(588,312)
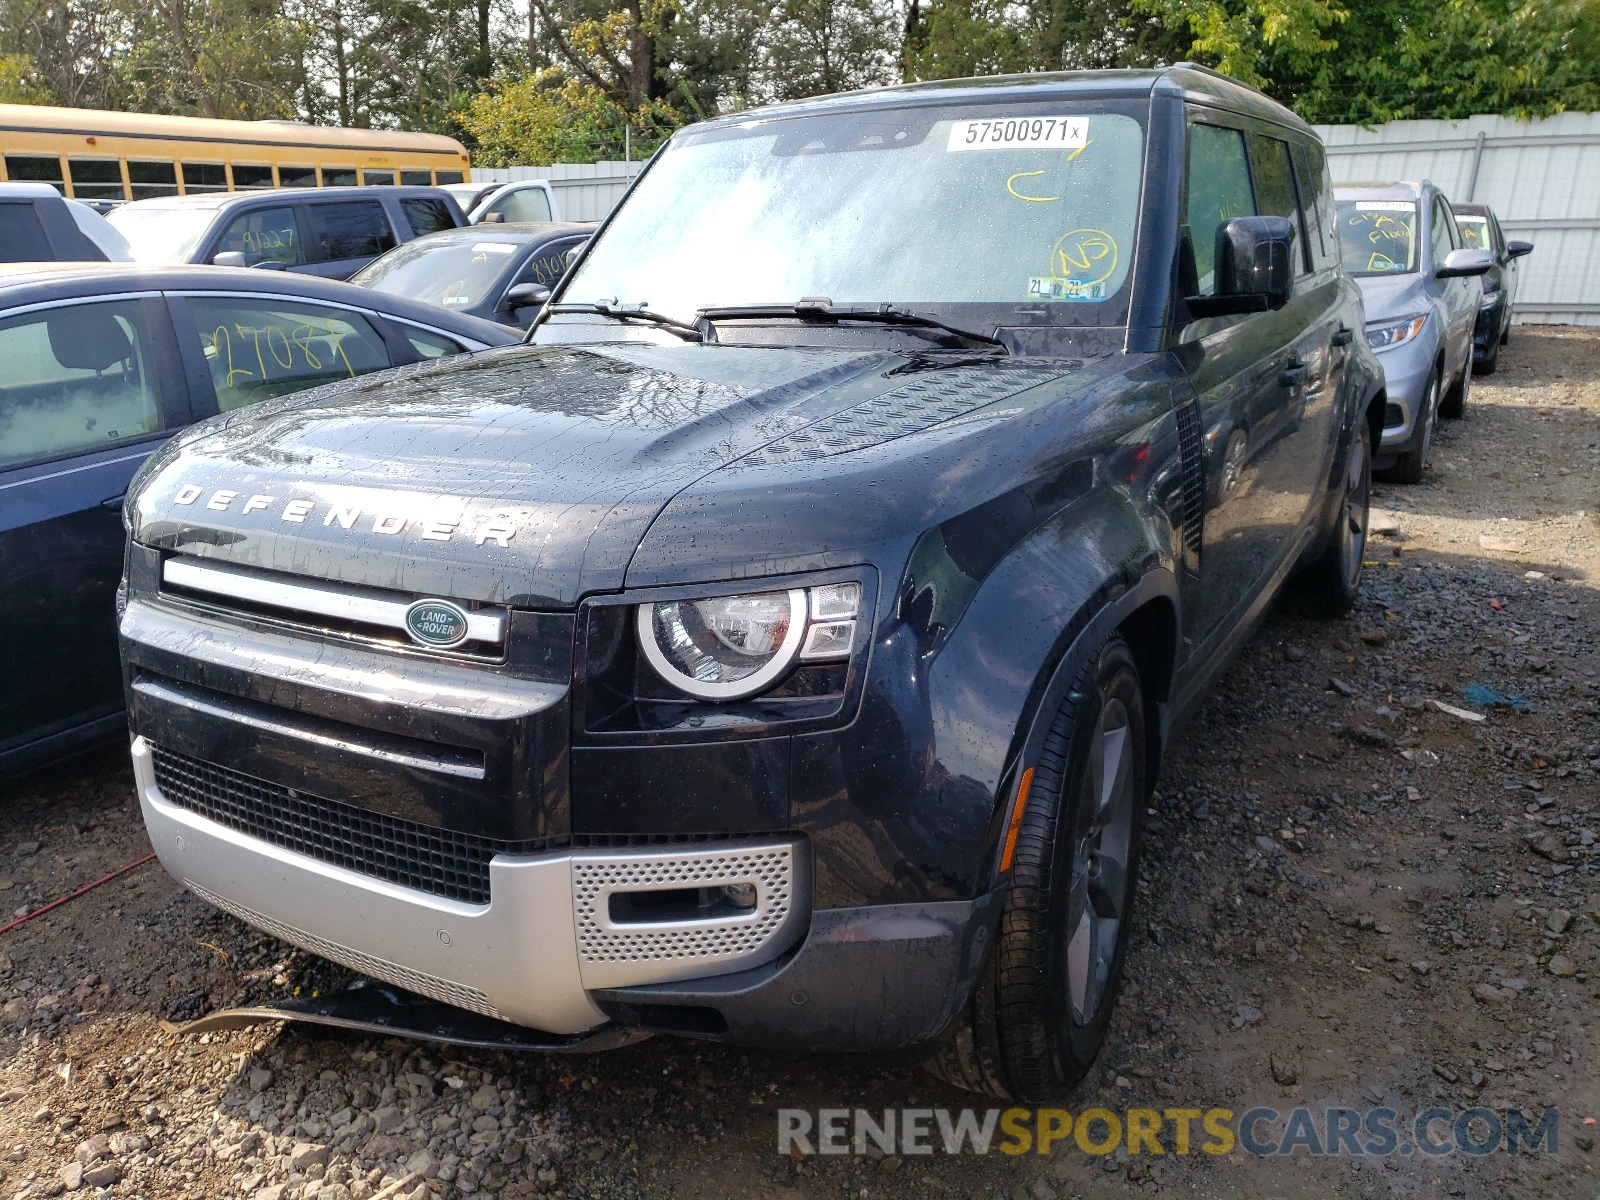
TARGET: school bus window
(34,168)
(444,177)
(204,177)
(96,178)
(371,178)
(250,176)
(297,177)
(265,235)
(338,177)
(416,178)
(151,179)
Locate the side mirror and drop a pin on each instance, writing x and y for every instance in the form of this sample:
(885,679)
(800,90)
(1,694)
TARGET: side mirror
(525,295)
(491,218)
(230,258)
(1518,249)
(1254,267)
(1461,263)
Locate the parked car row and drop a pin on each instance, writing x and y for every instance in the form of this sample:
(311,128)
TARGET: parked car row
(1439,284)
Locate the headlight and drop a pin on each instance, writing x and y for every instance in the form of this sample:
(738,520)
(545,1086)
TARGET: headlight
(1391,333)
(730,647)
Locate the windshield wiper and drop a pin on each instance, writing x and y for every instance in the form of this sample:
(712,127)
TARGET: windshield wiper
(819,308)
(625,312)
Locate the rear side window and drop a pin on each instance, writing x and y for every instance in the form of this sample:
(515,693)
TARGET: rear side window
(1219,190)
(152,179)
(351,229)
(266,235)
(78,378)
(21,232)
(96,178)
(261,346)
(431,345)
(427,215)
(526,204)
(35,168)
(1273,170)
(204,177)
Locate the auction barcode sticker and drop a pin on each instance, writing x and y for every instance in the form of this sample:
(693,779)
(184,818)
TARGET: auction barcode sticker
(1012,133)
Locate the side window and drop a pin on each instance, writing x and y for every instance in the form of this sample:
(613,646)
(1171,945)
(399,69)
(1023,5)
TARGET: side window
(204,177)
(351,229)
(1441,239)
(251,176)
(77,378)
(1219,190)
(21,232)
(427,215)
(1316,205)
(430,345)
(550,263)
(525,204)
(1273,170)
(96,178)
(262,346)
(36,168)
(265,235)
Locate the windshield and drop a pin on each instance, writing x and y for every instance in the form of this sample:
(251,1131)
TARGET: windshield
(161,233)
(1031,207)
(1475,232)
(452,273)
(1378,237)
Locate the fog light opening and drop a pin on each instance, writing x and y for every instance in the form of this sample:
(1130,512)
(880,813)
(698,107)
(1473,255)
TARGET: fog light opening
(740,895)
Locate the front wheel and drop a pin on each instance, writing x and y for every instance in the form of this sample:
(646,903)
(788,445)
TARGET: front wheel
(1043,1005)
(1329,586)
(1408,467)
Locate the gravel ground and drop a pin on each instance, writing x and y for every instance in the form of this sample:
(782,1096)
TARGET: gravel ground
(1351,897)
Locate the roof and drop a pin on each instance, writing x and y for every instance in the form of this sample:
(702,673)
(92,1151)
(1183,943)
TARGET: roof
(1468,209)
(1188,81)
(26,283)
(27,191)
(511,231)
(89,122)
(1378,190)
(223,199)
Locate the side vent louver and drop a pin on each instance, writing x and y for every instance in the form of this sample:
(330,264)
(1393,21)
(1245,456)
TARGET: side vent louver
(1194,474)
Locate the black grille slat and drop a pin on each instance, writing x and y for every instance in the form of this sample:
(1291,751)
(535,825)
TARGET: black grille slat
(1194,474)
(424,857)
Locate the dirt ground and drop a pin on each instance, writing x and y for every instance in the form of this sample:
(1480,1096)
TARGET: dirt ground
(1351,898)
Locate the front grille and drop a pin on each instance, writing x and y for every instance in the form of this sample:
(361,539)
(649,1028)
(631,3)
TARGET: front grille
(424,857)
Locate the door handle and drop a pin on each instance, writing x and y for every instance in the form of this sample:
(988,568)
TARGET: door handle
(1344,337)
(114,504)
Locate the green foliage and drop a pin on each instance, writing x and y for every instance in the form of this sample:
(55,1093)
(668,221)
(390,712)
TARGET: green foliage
(552,117)
(20,82)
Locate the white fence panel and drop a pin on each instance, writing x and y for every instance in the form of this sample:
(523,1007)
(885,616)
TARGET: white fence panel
(1542,178)
(584,191)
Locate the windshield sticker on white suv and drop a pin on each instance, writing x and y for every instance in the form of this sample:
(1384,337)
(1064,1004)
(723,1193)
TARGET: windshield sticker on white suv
(1012,133)
(1385,206)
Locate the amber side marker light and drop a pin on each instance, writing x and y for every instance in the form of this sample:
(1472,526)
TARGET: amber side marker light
(1016,820)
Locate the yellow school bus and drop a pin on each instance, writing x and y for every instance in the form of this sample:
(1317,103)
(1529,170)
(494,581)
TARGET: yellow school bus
(93,155)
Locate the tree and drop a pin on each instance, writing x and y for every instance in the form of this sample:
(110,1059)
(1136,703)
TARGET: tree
(20,82)
(812,47)
(554,117)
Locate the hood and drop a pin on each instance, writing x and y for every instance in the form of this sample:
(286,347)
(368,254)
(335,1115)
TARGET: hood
(1391,297)
(523,476)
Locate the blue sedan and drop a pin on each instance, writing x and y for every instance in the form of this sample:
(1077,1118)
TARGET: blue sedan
(102,363)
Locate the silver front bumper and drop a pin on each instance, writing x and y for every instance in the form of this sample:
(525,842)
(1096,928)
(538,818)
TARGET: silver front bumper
(533,953)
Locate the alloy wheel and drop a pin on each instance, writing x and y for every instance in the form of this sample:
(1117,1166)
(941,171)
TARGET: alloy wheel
(1098,899)
(1353,518)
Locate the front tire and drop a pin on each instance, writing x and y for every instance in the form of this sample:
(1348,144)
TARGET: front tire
(1044,1003)
(1409,466)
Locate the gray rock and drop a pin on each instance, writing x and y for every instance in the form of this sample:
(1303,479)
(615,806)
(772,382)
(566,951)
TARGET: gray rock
(71,1176)
(424,1164)
(1285,1072)
(1246,1015)
(483,1098)
(306,1155)
(260,1079)
(102,1174)
(1562,967)
(387,1119)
